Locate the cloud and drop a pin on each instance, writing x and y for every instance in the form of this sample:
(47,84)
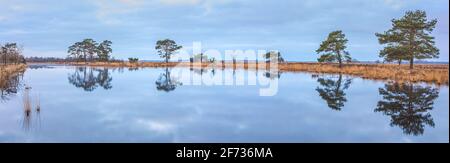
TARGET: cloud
(181,2)
(155,126)
(107,10)
(291,26)
(395,4)
(9,9)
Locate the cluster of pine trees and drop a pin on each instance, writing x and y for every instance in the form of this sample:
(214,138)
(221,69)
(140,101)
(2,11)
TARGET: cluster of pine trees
(90,50)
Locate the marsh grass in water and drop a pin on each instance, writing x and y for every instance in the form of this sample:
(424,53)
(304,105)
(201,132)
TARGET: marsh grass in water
(31,114)
(27,110)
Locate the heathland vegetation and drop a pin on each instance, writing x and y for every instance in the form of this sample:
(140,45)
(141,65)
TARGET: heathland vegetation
(11,67)
(409,39)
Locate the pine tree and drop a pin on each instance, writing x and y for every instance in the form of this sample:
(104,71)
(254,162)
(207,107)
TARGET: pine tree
(166,48)
(334,48)
(409,38)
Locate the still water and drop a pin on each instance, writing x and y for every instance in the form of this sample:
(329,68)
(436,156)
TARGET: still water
(82,104)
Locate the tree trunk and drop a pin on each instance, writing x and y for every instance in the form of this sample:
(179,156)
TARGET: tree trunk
(399,62)
(411,63)
(85,57)
(167,57)
(412,48)
(201,59)
(339,59)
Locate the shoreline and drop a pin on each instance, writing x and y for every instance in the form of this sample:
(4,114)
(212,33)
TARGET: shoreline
(427,73)
(8,72)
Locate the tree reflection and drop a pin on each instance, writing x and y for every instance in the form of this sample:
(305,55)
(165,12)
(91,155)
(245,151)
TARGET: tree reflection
(10,84)
(90,78)
(200,71)
(104,79)
(273,74)
(408,106)
(166,83)
(332,91)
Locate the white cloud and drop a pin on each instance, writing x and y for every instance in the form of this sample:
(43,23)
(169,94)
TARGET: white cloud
(8,9)
(108,9)
(396,4)
(155,126)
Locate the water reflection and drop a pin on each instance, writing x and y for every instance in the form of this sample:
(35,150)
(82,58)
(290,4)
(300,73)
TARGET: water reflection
(272,75)
(10,84)
(90,78)
(133,69)
(35,67)
(332,89)
(197,122)
(408,105)
(30,120)
(166,83)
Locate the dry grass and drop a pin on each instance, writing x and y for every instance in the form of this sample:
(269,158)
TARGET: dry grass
(9,71)
(435,74)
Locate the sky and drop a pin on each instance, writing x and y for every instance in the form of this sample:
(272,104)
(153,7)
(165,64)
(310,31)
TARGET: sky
(294,27)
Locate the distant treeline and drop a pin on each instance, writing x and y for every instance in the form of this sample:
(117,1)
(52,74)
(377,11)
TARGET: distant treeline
(56,59)
(47,59)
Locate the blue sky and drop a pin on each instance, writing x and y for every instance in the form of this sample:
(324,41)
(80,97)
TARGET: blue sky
(294,27)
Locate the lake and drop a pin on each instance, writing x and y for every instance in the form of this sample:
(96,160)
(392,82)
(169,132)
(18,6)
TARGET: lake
(86,104)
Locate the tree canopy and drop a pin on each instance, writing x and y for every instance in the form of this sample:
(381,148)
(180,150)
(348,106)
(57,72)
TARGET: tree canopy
(333,48)
(104,49)
(89,49)
(273,56)
(11,53)
(166,48)
(409,38)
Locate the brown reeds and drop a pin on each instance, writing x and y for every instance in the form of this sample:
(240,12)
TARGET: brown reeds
(435,74)
(8,72)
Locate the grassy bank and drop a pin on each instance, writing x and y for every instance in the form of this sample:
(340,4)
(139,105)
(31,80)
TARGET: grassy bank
(435,74)
(7,72)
